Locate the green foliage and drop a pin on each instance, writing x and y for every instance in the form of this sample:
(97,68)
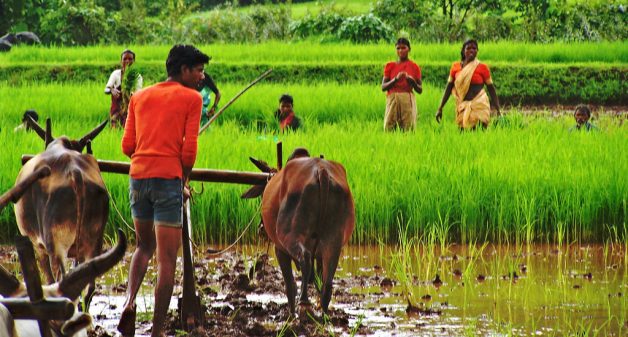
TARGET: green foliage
(130,23)
(75,22)
(10,13)
(326,22)
(364,29)
(408,15)
(491,27)
(547,20)
(175,21)
(227,24)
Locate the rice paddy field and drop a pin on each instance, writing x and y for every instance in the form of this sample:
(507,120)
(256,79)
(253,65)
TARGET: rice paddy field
(520,198)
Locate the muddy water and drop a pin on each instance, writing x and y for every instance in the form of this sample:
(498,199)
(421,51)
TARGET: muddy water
(389,291)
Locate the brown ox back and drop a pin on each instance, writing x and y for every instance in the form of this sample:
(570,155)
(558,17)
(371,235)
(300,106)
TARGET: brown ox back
(64,214)
(308,212)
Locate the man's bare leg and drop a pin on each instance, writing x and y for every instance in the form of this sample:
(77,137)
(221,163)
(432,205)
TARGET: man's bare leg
(168,243)
(145,241)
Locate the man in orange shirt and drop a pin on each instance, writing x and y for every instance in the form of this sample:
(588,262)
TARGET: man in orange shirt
(400,79)
(160,136)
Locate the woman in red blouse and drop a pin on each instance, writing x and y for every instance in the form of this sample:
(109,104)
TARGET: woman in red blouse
(400,78)
(466,80)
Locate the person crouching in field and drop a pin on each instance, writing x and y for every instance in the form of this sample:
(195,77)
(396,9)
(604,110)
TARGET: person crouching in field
(24,126)
(285,114)
(400,78)
(582,114)
(118,109)
(467,79)
(207,86)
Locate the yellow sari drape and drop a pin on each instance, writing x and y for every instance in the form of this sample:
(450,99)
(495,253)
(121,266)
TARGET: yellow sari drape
(469,113)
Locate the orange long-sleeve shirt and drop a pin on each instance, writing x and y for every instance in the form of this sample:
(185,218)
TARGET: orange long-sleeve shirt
(161,130)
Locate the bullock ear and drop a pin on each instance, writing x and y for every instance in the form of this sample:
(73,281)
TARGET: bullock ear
(91,135)
(36,127)
(253,192)
(262,165)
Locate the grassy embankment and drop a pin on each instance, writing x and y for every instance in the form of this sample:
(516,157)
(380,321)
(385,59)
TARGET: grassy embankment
(523,73)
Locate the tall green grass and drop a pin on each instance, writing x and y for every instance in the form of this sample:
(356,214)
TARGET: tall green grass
(311,52)
(530,181)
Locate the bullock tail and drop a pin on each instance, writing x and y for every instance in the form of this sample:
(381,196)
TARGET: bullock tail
(78,185)
(323,184)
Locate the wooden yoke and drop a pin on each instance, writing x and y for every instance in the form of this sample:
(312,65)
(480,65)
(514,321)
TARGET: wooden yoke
(207,175)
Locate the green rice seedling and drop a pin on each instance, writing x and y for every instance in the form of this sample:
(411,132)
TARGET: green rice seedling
(500,184)
(401,262)
(358,323)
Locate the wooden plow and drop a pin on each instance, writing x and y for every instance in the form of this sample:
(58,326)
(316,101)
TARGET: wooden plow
(36,306)
(190,313)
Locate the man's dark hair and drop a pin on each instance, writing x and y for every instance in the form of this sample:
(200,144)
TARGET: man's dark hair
(127,51)
(30,113)
(184,55)
(465,44)
(583,108)
(286,98)
(404,41)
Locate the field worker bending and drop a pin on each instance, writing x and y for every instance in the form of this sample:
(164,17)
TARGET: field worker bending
(118,109)
(466,80)
(400,78)
(161,138)
(206,87)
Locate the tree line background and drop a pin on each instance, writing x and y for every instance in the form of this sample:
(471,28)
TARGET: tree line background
(86,22)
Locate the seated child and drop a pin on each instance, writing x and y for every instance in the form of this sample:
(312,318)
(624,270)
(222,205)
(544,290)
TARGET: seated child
(285,114)
(25,126)
(582,116)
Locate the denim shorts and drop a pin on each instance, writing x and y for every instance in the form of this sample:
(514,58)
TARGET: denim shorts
(157,199)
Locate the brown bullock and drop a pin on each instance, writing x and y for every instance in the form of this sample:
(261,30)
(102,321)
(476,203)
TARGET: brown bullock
(64,215)
(308,212)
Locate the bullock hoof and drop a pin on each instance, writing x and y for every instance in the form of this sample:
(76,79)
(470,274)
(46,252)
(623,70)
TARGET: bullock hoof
(127,322)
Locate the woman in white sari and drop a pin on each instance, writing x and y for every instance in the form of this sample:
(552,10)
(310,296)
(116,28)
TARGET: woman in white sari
(466,81)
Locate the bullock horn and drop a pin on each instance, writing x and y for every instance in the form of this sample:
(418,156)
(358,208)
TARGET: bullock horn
(8,283)
(36,127)
(76,280)
(262,165)
(91,135)
(48,136)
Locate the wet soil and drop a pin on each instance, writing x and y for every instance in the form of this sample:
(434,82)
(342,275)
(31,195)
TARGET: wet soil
(489,291)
